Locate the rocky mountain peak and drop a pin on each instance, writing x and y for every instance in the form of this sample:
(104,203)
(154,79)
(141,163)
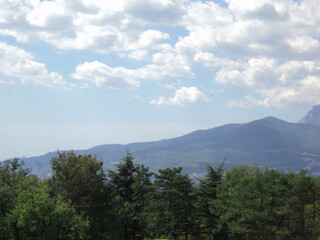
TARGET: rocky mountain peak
(312,117)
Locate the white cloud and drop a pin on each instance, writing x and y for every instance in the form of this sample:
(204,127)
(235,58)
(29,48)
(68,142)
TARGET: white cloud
(147,41)
(278,84)
(257,73)
(119,77)
(140,55)
(303,44)
(257,44)
(50,15)
(103,75)
(303,92)
(18,63)
(210,60)
(261,73)
(242,28)
(100,26)
(161,71)
(156,11)
(260,28)
(182,97)
(148,38)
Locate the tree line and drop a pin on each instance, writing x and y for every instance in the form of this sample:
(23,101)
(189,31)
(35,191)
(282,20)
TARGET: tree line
(83,201)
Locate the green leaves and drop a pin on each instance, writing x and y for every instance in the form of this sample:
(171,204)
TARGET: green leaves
(172,204)
(39,216)
(81,202)
(257,204)
(81,181)
(133,185)
(12,174)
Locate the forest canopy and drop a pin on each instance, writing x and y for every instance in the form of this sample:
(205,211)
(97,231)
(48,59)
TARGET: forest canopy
(82,200)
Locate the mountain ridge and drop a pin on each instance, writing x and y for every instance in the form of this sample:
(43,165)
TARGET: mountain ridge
(266,142)
(312,117)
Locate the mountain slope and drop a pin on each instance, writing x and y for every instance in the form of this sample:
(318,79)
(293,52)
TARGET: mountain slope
(312,117)
(266,142)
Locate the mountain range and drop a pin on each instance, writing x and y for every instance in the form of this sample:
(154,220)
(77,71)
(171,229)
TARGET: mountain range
(312,117)
(269,142)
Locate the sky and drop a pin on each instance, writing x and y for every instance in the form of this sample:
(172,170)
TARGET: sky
(77,73)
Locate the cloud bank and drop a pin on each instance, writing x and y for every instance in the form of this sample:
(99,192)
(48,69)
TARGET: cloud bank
(270,47)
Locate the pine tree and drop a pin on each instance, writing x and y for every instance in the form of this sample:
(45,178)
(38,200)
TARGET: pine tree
(132,183)
(172,204)
(206,193)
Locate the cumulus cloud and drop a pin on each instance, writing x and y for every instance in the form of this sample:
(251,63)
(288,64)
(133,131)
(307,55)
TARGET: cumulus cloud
(301,93)
(49,15)
(147,41)
(157,11)
(149,38)
(182,97)
(256,73)
(273,29)
(278,84)
(210,60)
(103,75)
(262,45)
(100,26)
(19,64)
(241,28)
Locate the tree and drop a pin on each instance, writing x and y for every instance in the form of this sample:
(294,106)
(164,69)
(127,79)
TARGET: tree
(250,204)
(172,204)
(132,183)
(256,204)
(142,190)
(81,181)
(12,174)
(37,215)
(302,203)
(206,193)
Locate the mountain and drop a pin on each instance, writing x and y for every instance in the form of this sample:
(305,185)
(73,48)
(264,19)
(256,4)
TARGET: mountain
(266,142)
(312,117)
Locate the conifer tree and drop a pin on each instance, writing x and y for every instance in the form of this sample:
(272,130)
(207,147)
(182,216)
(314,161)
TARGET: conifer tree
(132,183)
(206,193)
(172,204)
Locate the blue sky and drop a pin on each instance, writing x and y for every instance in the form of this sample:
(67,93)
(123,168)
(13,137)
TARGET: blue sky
(76,73)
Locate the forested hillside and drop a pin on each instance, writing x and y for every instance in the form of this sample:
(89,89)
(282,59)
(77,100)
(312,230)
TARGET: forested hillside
(82,201)
(266,142)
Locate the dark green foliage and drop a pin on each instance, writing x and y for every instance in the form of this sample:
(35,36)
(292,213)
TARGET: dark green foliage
(256,204)
(81,181)
(172,204)
(206,193)
(142,190)
(12,174)
(81,202)
(132,183)
(37,215)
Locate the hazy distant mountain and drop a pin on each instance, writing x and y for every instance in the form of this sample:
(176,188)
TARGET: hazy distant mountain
(266,142)
(312,117)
